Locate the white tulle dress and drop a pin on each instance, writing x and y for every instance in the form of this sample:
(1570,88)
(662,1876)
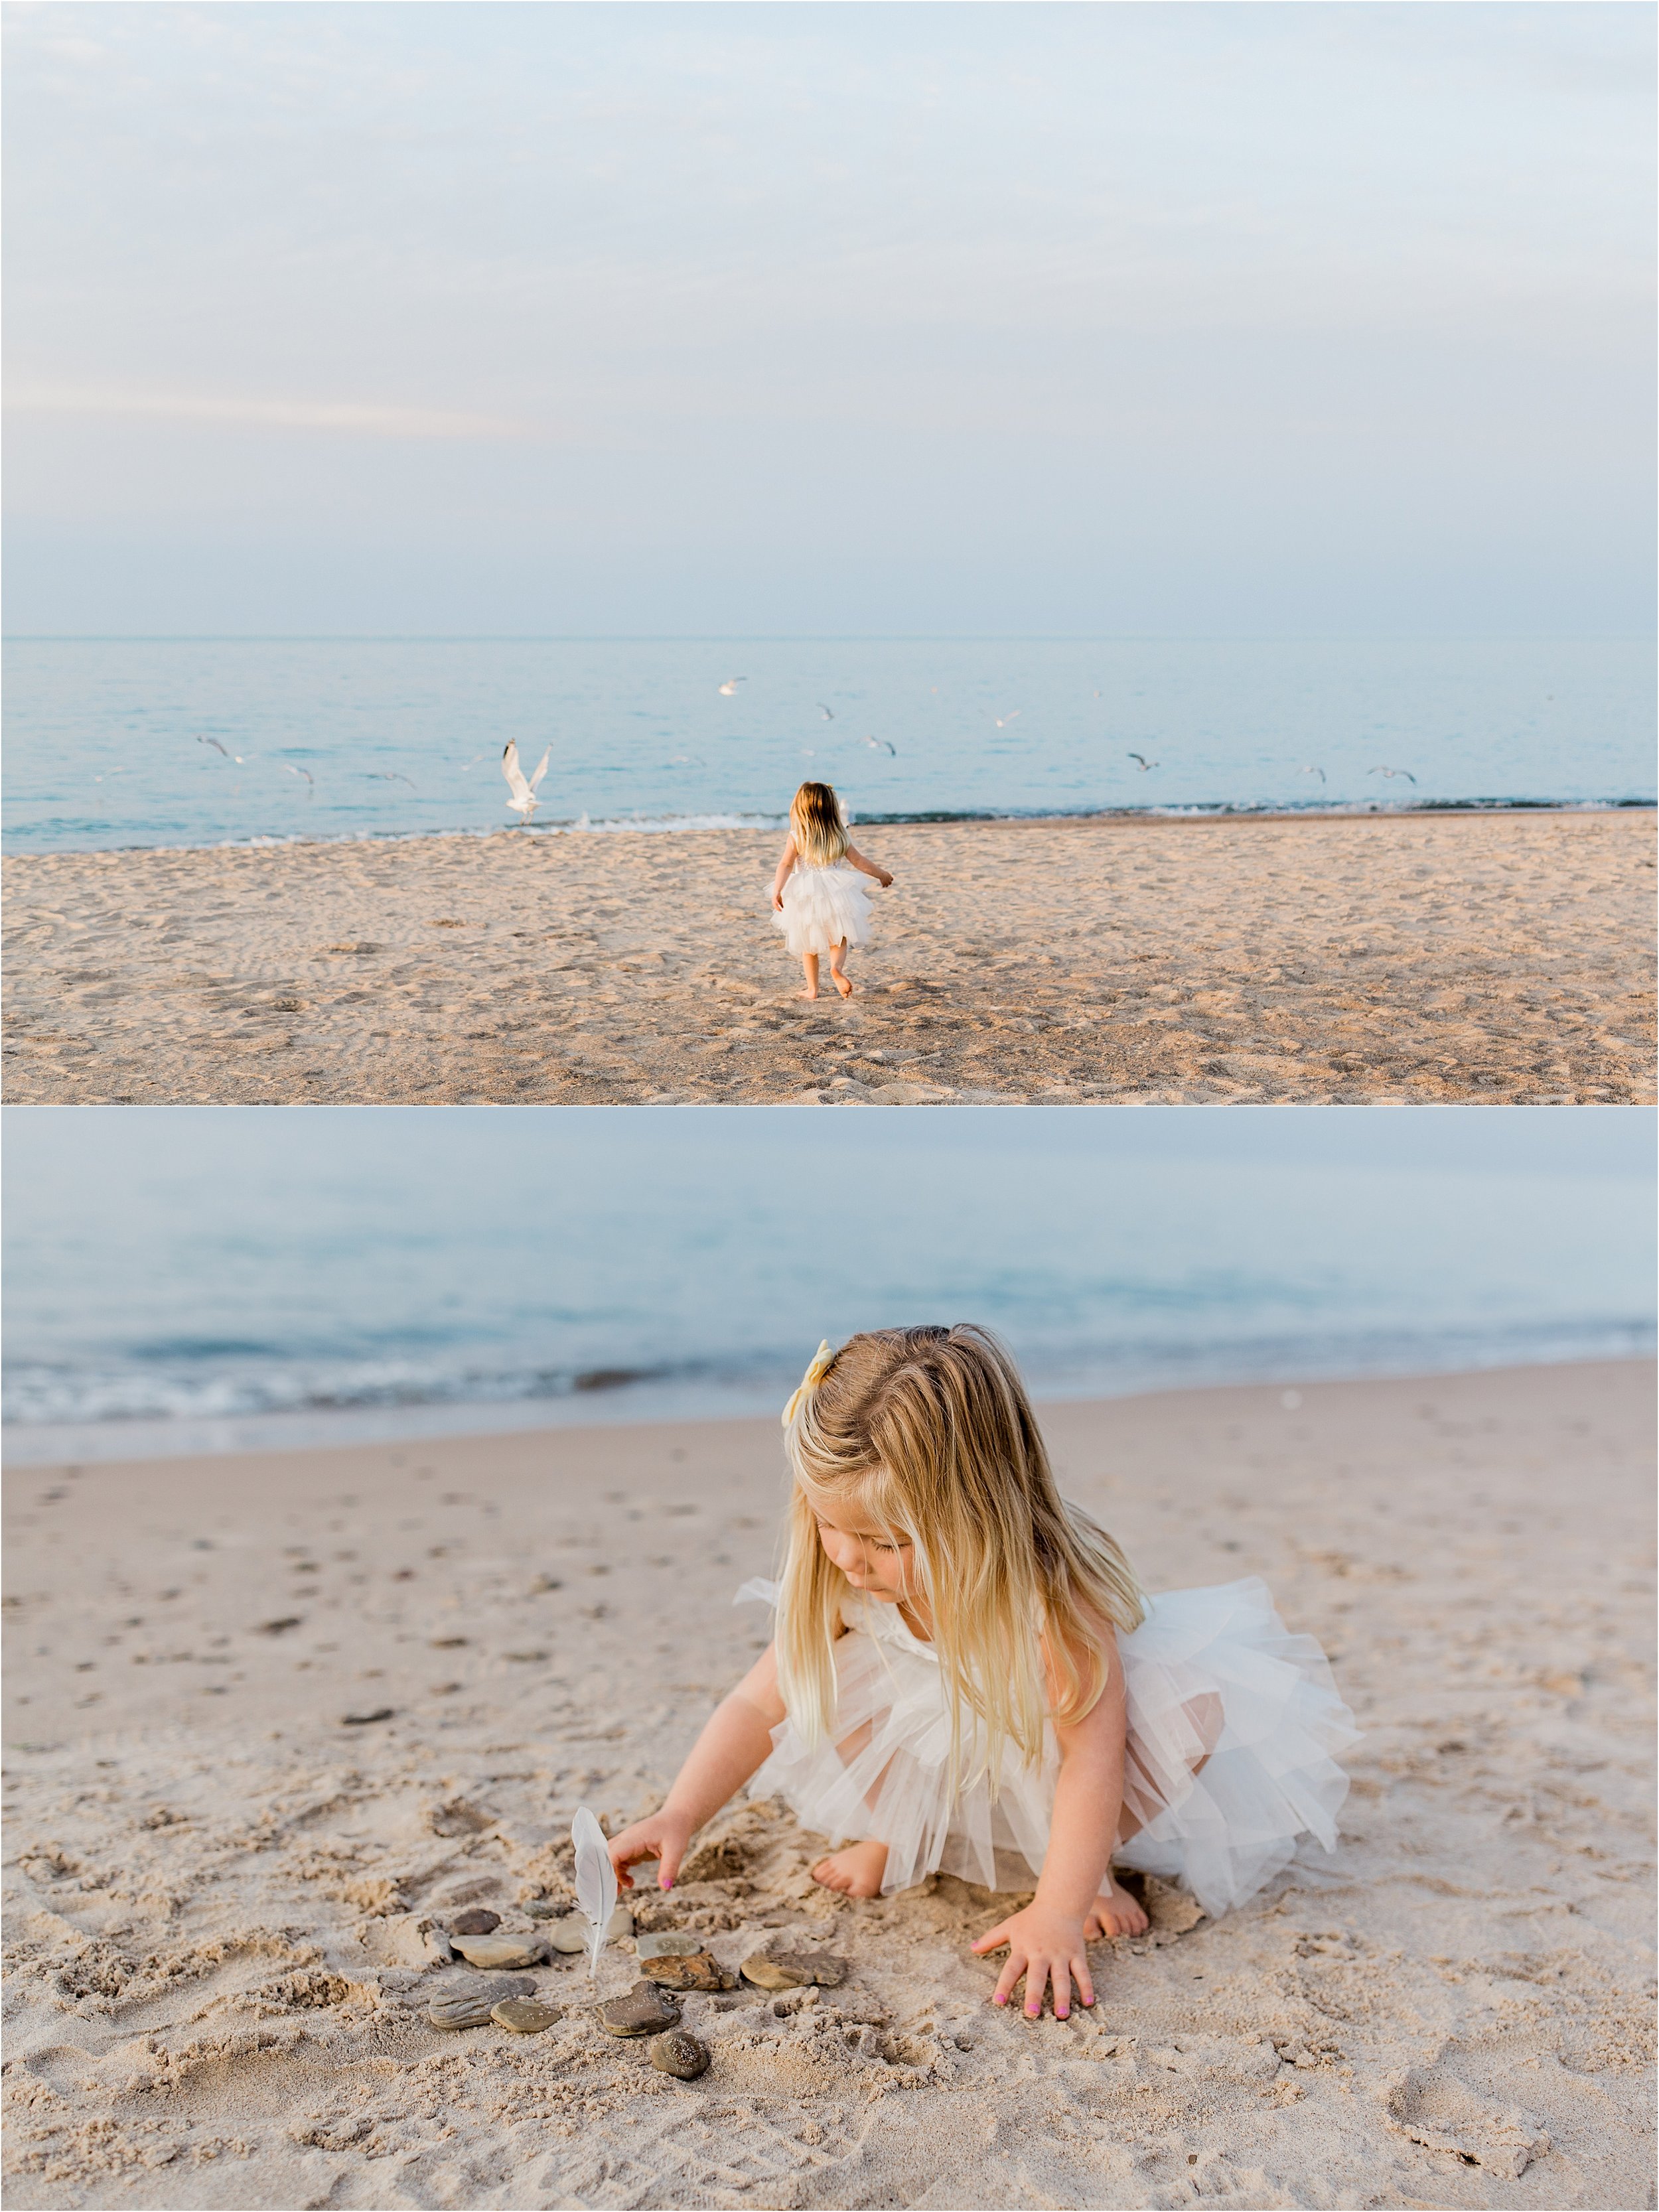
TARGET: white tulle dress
(1207,1668)
(823,908)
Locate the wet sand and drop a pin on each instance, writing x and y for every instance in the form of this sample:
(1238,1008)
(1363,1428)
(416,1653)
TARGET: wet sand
(216,1986)
(1391,957)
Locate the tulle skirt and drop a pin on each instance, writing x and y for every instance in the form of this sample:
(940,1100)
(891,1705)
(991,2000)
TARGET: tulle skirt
(1212,1675)
(823,907)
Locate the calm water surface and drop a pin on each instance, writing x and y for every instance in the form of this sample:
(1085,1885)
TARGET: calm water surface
(120,743)
(188,1276)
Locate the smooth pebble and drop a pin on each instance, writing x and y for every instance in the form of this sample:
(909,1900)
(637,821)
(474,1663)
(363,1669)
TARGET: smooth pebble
(524,2016)
(678,2054)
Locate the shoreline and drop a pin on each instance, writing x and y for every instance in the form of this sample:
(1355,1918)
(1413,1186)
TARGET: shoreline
(217,1983)
(681,825)
(136,1440)
(1414,958)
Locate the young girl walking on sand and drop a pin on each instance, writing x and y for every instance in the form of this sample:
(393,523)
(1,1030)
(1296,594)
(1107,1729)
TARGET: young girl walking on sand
(967,1677)
(821,905)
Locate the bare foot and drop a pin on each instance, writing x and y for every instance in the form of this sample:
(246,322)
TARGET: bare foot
(842,983)
(806,994)
(1115,1913)
(856,1872)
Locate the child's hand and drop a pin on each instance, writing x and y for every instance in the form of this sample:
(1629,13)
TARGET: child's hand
(663,1836)
(777,902)
(1045,1946)
(883,880)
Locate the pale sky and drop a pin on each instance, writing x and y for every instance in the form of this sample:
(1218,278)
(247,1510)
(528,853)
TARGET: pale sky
(777,318)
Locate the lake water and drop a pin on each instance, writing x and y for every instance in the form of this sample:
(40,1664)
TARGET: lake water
(193,1279)
(183,742)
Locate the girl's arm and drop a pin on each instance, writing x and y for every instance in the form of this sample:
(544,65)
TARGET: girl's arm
(735,1744)
(869,867)
(788,860)
(1045,1941)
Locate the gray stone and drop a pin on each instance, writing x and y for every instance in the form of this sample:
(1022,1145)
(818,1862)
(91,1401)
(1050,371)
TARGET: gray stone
(574,1934)
(780,1969)
(678,2054)
(524,2016)
(497,1951)
(646,2010)
(474,2005)
(671,1943)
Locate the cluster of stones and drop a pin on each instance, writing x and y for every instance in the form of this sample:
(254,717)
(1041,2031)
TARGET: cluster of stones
(669,1962)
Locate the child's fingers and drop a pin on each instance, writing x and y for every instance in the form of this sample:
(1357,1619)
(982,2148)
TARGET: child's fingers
(1085,1988)
(1009,1978)
(992,1939)
(1036,1976)
(669,1864)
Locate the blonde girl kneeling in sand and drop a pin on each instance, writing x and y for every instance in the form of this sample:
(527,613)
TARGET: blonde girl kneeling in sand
(821,905)
(967,1677)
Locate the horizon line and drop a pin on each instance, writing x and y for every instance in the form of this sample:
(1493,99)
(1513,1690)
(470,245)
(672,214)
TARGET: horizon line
(827,637)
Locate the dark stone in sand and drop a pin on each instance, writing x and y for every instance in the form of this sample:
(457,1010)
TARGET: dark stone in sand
(644,2011)
(678,2054)
(477,1920)
(780,1969)
(680,1970)
(366,1720)
(524,2016)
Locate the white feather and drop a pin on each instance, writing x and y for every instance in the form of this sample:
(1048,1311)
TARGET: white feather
(596,1879)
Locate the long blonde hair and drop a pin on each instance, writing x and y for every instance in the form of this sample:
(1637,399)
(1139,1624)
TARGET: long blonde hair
(816,824)
(930,1432)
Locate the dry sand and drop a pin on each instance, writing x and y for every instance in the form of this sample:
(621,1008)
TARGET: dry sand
(1417,957)
(215,1997)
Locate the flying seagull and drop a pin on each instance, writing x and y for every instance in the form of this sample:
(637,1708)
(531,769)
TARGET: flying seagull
(731,684)
(1003,720)
(1392,772)
(389,775)
(523,801)
(311,781)
(825,712)
(876,744)
(1144,762)
(1319,772)
(216,745)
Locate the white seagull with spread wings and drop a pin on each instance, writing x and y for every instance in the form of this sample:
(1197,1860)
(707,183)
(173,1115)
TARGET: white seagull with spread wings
(523,801)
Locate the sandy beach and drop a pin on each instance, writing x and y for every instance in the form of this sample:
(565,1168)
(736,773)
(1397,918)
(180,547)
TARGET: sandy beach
(217,1983)
(1479,957)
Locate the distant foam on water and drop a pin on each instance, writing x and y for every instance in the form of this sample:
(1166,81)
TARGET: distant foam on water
(116,1412)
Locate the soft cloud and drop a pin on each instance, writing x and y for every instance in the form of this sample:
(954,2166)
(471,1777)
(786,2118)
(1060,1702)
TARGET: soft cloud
(370,421)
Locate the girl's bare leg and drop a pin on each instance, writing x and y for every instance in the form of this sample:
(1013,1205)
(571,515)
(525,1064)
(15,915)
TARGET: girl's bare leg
(809,960)
(1115,1913)
(841,981)
(857,1870)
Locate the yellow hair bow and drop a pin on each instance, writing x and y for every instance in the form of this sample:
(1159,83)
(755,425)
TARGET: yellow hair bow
(823,1360)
